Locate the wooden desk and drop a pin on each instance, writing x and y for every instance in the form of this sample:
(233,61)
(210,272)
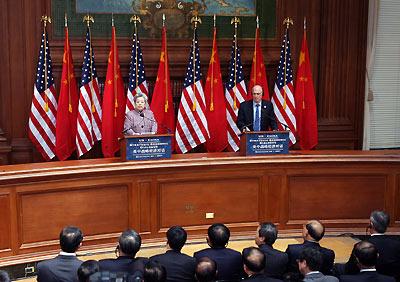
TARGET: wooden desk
(105,196)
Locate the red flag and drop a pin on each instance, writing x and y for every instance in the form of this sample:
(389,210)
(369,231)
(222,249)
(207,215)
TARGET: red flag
(161,103)
(67,106)
(113,103)
(307,127)
(215,103)
(258,75)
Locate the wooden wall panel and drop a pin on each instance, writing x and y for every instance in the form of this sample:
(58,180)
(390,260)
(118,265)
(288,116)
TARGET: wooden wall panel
(5,222)
(42,215)
(336,33)
(335,198)
(186,203)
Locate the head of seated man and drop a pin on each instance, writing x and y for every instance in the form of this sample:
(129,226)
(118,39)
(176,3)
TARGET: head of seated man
(86,269)
(313,231)
(218,236)
(378,222)
(4,276)
(366,255)
(266,234)
(310,259)
(70,239)
(176,238)
(154,272)
(129,243)
(206,270)
(253,261)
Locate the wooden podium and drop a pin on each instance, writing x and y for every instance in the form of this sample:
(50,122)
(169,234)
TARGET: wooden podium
(146,147)
(264,143)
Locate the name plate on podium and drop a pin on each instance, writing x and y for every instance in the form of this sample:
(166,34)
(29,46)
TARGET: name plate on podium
(264,143)
(146,147)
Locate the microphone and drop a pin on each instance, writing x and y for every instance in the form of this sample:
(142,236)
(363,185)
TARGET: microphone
(285,126)
(142,115)
(153,120)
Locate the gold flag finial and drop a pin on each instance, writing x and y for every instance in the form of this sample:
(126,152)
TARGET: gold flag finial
(65,20)
(305,23)
(135,19)
(88,18)
(163,19)
(258,22)
(112,19)
(45,19)
(288,21)
(195,20)
(236,21)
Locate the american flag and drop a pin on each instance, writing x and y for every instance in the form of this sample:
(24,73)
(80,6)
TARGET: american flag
(42,119)
(282,99)
(89,108)
(192,127)
(137,76)
(235,93)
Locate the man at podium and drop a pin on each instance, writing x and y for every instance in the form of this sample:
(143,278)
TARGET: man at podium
(140,120)
(256,114)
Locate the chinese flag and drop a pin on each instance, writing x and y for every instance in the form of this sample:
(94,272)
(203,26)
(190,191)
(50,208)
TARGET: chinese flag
(215,103)
(258,75)
(67,106)
(306,109)
(113,103)
(161,103)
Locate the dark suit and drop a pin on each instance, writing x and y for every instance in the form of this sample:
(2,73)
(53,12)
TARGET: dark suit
(180,267)
(246,115)
(294,251)
(261,278)
(124,264)
(369,276)
(229,262)
(389,256)
(275,261)
(59,269)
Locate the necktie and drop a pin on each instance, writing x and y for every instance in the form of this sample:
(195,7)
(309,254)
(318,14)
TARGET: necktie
(256,125)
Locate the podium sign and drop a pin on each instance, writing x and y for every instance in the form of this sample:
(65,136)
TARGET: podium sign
(264,143)
(146,147)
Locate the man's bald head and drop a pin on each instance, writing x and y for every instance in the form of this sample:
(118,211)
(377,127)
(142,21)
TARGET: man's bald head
(253,260)
(315,230)
(206,270)
(257,93)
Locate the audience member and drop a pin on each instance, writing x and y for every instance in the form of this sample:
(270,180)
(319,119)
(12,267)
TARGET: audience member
(229,262)
(179,267)
(206,270)
(275,260)
(254,264)
(86,269)
(313,232)
(128,245)
(64,267)
(4,276)
(107,276)
(388,249)
(154,272)
(366,255)
(310,263)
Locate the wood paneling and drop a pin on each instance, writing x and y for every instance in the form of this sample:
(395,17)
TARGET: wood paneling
(187,202)
(350,197)
(5,222)
(106,196)
(336,33)
(96,210)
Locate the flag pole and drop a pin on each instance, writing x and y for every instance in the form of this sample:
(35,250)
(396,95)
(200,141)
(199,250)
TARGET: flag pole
(88,18)
(288,21)
(66,60)
(136,19)
(115,74)
(255,52)
(235,21)
(212,68)
(195,21)
(305,34)
(45,19)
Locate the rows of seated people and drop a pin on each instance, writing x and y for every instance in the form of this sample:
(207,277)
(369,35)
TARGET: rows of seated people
(375,259)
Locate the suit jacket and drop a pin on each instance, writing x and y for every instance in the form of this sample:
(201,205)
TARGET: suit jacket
(369,276)
(389,256)
(180,267)
(229,262)
(124,264)
(246,116)
(294,251)
(135,124)
(275,261)
(319,277)
(261,278)
(59,269)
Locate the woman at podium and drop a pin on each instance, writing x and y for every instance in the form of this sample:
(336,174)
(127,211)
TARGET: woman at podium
(140,120)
